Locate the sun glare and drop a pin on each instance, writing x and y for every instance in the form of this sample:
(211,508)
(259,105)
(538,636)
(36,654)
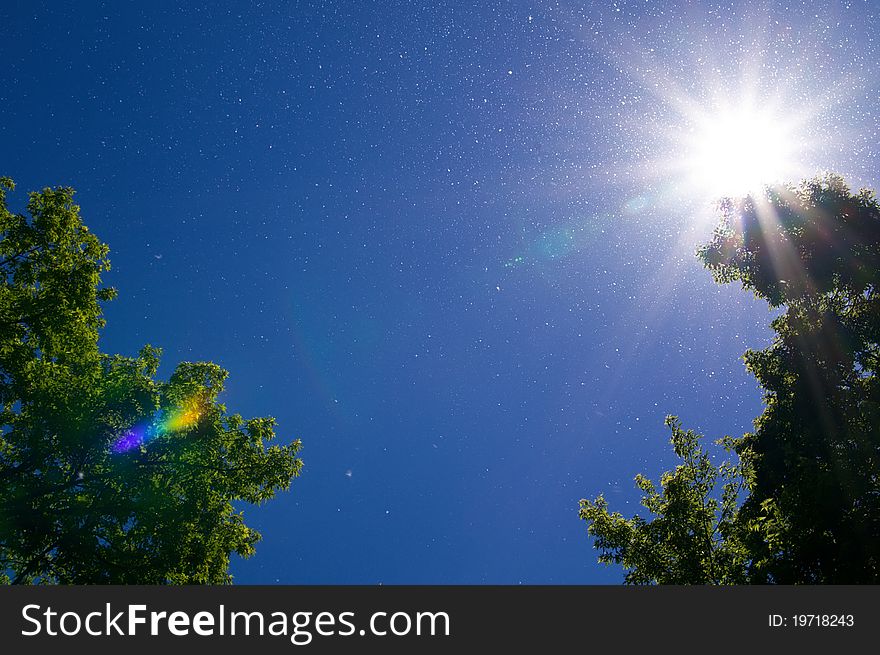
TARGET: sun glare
(739,150)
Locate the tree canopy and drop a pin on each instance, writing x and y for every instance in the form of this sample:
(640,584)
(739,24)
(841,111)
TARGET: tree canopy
(108,474)
(811,467)
(692,540)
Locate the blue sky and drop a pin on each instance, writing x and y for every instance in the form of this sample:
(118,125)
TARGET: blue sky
(449,247)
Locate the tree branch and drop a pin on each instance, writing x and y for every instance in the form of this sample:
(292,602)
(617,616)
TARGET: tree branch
(23,253)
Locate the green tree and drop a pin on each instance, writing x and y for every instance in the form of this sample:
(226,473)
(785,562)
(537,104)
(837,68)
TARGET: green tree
(693,537)
(107,474)
(813,515)
(810,471)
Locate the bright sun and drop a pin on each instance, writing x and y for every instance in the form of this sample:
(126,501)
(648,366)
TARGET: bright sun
(735,151)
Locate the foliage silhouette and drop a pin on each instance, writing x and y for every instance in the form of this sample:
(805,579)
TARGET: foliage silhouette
(811,468)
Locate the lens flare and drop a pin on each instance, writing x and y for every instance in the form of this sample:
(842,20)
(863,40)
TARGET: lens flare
(180,418)
(130,440)
(184,417)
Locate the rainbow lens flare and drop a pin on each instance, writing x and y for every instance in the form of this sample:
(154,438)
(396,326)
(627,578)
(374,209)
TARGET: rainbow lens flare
(184,417)
(181,418)
(132,439)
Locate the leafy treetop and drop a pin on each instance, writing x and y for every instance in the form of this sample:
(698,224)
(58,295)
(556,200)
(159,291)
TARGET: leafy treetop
(811,468)
(74,507)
